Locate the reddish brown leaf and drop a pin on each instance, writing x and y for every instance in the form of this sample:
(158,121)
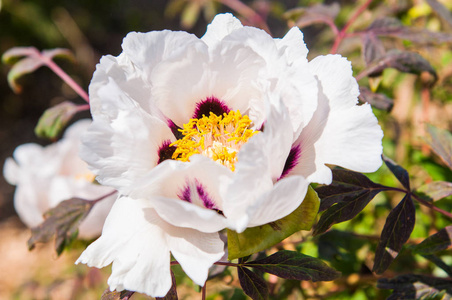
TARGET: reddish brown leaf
(62,221)
(397,230)
(379,101)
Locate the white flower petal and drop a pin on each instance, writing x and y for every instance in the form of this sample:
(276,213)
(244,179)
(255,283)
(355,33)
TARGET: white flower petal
(284,198)
(122,145)
(221,26)
(340,132)
(336,77)
(293,46)
(166,185)
(131,233)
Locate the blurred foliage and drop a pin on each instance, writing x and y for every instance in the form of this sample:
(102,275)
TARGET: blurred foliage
(407,95)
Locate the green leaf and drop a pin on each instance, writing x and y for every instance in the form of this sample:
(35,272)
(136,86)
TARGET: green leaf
(441,142)
(297,266)
(59,53)
(62,221)
(413,286)
(55,119)
(400,173)
(397,230)
(346,197)
(437,242)
(436,190)
(123,295)
(258,238)
(252,284)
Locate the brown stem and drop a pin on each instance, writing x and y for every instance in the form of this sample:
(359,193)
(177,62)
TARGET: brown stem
(204,291)
(430,205)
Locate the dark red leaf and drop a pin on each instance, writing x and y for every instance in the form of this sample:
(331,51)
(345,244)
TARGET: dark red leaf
(293,265)
(347,196)
(62,221)
(397,230)
(392,27)
(436,190)
(441,142)
(379,101)
(439,263)
(404,61)
(400,173)
(252,284)
(412,286)
(373,48)
(437,242)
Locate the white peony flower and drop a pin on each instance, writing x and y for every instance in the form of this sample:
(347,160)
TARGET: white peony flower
(45,176)
(226,131)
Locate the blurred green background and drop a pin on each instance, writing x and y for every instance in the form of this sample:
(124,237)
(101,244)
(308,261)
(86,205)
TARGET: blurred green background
(95,28)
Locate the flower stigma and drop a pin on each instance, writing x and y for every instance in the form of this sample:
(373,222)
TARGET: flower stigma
(217,137)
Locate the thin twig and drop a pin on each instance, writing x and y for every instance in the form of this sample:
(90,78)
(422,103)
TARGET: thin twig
(104,196)
(63,75)
(343,33)
(204,291)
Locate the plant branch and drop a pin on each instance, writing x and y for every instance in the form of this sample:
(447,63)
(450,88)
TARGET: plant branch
(63,75)
(431,206)
(103,197)
(343,33)
(204,291)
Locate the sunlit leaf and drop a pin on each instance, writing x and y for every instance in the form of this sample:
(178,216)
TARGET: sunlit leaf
(347,196)
(12,55)
(400,173)
(62,221)
(436,190)
(441,10)
(258,238)
(294,265)
(441,142)
(55,119)
(437,242)
(413,286)
(172,293)
(319,13)
(404,61)
(397,230)
(252,284)
(58,53)
(123,295)
(392,27)
(379,101)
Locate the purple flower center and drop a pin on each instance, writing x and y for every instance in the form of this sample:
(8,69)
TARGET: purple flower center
(211,104)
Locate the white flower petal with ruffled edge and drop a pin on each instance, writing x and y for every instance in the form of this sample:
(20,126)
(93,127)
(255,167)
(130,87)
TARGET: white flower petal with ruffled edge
(281,74)
(131,233)
(126,76)
(122,145)
(187,194)
(292,45)
(221,26)
(340,133)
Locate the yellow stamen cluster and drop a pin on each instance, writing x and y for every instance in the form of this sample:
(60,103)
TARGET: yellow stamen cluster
(217,137)
(88,176)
